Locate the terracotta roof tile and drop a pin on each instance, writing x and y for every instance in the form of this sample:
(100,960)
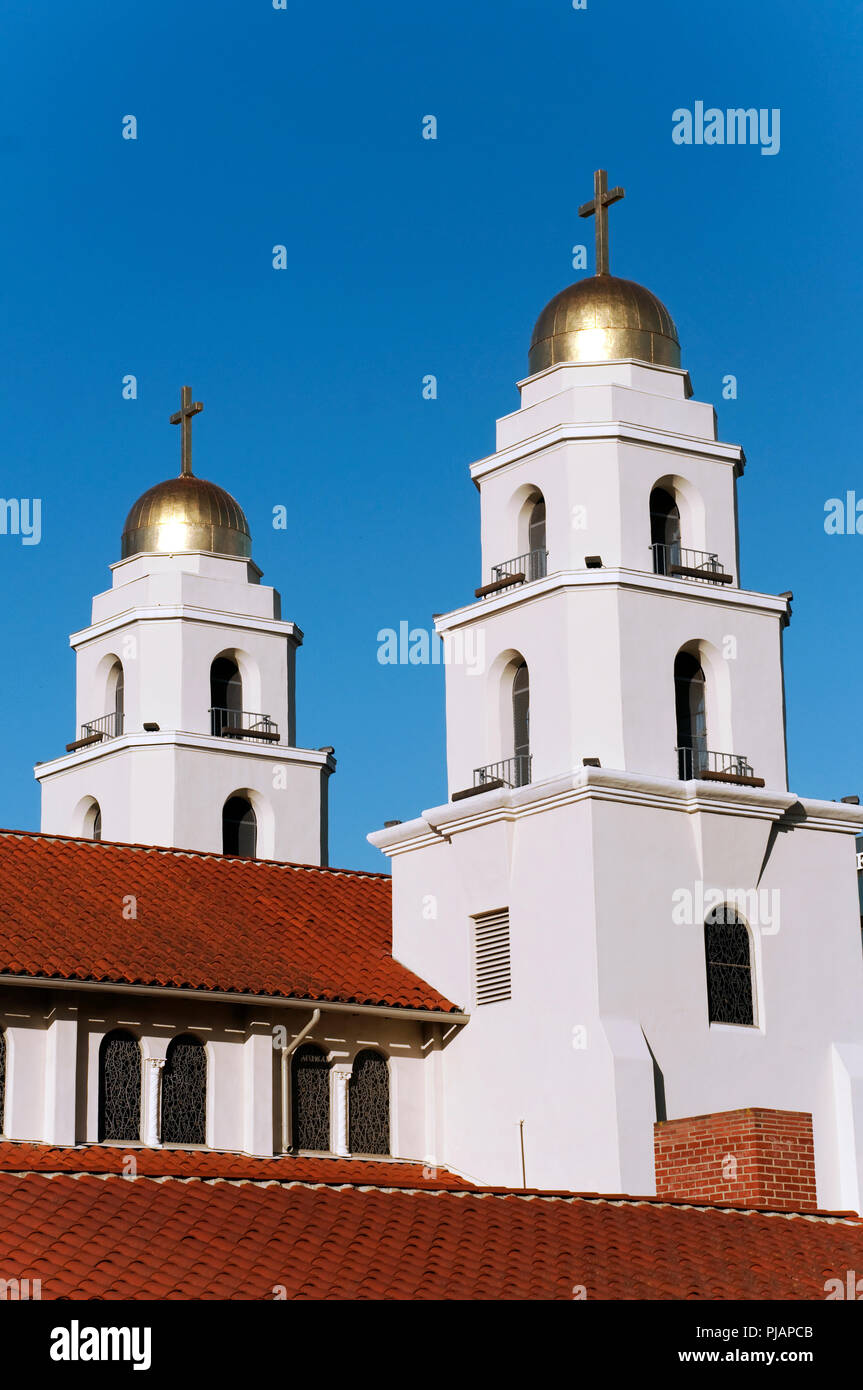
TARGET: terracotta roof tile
(213,1236)
(201,922)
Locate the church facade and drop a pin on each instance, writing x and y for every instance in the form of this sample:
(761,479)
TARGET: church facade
(622,918)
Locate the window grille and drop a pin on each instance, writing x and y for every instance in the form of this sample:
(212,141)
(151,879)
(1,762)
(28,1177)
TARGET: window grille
(310,1099)
(184,1092)
(729,968)
(119,1087)
(369,1105)
(492,975)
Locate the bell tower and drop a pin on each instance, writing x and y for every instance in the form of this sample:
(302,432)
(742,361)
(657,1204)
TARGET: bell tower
(621,889)
(185,722)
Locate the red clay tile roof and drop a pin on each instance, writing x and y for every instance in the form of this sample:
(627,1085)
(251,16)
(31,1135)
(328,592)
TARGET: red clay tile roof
(212,1164)
(203,921)
(86,1236)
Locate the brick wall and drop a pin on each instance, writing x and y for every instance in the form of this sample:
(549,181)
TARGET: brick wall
(753,1158)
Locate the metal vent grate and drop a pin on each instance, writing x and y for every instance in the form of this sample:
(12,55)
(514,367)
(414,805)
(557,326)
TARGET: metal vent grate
(491,957)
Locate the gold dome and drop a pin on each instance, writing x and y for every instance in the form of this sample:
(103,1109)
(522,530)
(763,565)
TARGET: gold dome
(186,513)
(601,318)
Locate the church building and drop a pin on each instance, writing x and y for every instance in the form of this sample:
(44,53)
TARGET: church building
(620,966)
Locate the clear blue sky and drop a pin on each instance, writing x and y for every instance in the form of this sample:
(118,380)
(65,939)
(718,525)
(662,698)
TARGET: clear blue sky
(407,256)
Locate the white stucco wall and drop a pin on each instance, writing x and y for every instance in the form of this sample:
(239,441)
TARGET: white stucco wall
(53,1040)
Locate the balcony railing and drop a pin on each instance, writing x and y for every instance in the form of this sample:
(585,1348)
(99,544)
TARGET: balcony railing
(96,730)
(520,570)
(240,723)
(679,562)
(510,772)
(108,725)
(715,767)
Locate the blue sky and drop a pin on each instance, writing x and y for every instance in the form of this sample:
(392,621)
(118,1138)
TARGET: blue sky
(406,257)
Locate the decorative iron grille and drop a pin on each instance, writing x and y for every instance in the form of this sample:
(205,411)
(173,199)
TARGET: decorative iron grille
(120,1087)
(729,968)
(310,1099)
(369,1105)
(184,1092)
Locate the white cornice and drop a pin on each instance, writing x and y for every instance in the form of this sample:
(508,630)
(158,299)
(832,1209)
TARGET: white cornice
(619,430)
(691,590)
(440,823)
(179,739)
(604,364)
(188,613)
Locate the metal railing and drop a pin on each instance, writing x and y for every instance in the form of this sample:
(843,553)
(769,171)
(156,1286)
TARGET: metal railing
(531,565)
(679,561)
(701,762)
(512,772)
(520,570)
(241,723)
(108,725)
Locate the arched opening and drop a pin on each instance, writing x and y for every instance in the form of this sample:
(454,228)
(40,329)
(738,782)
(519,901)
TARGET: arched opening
(664,530)
(310,1099)
(116,699)
(691,714)
(369,1104)
(536,541)
(239,828)
(184,1092)
(226,695)
(521,725)
(727,950)
(119,1086)
(92,828)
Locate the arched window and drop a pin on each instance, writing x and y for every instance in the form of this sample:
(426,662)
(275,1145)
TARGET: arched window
(536,540)
(239,828)
(310,1099)
(2,1081)
(119,1086)
(184,1092)
(226,695)
(521,725)
(369,1104)
(117,698)
(729,967)
(691,713)
(664,530)
(93,821)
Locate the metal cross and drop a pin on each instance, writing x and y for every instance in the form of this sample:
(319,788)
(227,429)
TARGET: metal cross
(184,416)
(602,199)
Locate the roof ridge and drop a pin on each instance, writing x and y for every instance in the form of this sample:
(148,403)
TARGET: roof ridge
(8,832)
(487,1193)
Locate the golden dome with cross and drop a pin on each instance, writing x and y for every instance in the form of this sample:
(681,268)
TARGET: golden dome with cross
(186,513)
(603,317)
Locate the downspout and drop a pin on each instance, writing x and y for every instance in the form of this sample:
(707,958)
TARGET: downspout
(287,1050)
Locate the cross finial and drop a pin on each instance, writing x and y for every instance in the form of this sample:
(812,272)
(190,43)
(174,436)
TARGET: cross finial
(188,409)
(602,199)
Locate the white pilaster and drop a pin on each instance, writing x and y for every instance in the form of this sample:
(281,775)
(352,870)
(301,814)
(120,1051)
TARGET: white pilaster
(61,1074)
(339,1121)
(153,1121)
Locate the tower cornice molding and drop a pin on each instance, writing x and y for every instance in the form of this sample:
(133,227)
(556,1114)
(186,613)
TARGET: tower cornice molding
(691,591)
(242,748)
(188,613)
(621,431)
(438,824)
